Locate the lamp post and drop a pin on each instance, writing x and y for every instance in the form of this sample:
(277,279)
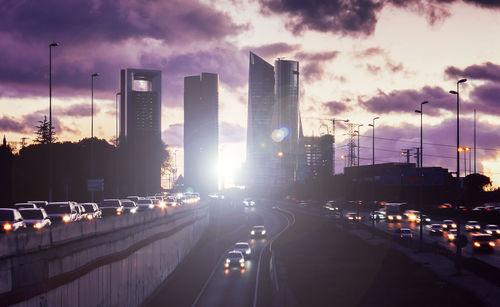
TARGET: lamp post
(468,150)
(373,138)
(459,248)
(92,130)
(116,118)
(117,169)
(333,134)
(358,132)
(51,159)
(474,141)
(421,200)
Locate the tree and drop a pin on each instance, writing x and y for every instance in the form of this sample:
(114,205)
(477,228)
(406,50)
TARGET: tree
(43,133)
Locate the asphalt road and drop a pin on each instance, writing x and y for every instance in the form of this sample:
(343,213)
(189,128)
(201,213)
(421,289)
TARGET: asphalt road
(201,279)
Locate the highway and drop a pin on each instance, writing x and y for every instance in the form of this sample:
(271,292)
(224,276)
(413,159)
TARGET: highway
(226,287)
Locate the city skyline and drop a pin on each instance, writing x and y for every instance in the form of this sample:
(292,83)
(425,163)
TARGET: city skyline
(382,61)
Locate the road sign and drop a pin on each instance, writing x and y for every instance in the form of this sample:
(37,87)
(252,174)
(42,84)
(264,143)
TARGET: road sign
(95,185)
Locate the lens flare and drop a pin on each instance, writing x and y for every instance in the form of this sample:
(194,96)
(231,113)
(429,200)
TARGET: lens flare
(281,134)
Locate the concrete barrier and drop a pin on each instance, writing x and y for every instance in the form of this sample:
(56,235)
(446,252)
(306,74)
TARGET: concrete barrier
(117,264)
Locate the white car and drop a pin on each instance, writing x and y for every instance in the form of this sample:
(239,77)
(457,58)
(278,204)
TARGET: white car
(492,229)
(248,202)
(244,248)
(36,218)
(472,226)
(258,231)
(145,204)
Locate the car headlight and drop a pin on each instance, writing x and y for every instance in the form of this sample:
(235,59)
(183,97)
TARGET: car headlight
(151,206)
(263,232)
(226,264)
(241,260)
(7,226)
(227,260)
(454,225)
(252,232)
(66,218)
(476,244)
(90,217)
(451,237)
(248,252)
(38,225)
(399,217)
(390,217)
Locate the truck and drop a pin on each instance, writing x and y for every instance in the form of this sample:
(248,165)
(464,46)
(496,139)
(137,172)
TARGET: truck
(393,211)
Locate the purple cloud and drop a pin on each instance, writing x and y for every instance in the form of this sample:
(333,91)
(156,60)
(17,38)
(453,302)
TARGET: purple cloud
(406,101)
(79,110)
(486,99)
(335,107)
(486,71)
(313,63)
(8,124)
(173,136)
(273,50)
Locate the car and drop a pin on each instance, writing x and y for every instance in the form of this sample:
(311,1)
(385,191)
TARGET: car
(11,220)
(478,208)
(425,218)
(394,217)
(377,215)
(82,213)
(133,198)
(25,205)
(452,235)
(449,224)
(248,202)
(404,233)
(129,206)
(145,204)
(39,203)
(411,215)
(482,242)
(171,201)
(234,259)
(111,207)
(331,205)
(63,211)
(244,248)
(353,217)
(445,206)
(92,210)
(492,229)
(472,226)
(258,232)
(35,217)
(436,229)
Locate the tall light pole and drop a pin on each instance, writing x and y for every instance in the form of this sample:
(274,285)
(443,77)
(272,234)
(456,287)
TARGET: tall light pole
(117,169)
(51,159)
(92,130)
(474,141)
(421,142)
(116,118)
(333,134)
(459,248)
(373,138)
(457,92)
(421,112)
(467,149)
(358,132)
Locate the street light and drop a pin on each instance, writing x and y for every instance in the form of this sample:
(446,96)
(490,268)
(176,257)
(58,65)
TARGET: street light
(373,139)
(92,130)
(421,143)
(116,118)
(467,149)
(459,248)
(51,162)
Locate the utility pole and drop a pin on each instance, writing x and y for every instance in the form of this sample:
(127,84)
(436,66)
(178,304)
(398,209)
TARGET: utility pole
(406,152)
(417,155)
(474,141)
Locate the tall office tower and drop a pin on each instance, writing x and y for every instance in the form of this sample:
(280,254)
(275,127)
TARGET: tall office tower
(259,125)
(140,131)
(201,132)
(319,155)
(286,121)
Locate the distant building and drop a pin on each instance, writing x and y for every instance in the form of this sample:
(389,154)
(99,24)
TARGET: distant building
(259,125)
(140,130)
(319,155)
(201,132)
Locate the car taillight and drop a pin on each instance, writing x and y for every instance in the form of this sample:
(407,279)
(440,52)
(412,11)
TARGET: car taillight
(7,226)
(66,218)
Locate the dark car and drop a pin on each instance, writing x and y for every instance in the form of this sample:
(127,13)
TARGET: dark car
(11,220)
(64,211)
(92,210)
(436,229)
(404,233)
(472,226)
(234,259)
(258,232)
(129,206)
(492,229)
(35,218)
(145,204)
(111,207)
(482,242)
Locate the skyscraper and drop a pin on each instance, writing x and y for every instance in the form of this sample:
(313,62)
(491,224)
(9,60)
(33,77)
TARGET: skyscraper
(286,121)
(201,132)
(259,125)
(140,130)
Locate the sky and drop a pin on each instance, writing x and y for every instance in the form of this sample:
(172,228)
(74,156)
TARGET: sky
(359,59)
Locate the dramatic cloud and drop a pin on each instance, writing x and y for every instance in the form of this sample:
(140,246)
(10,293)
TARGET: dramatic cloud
(8,124)
(486,71)
(486,99)
(387,63)
(107,20)
(354,17)
(406,101)
(79,110)
(231,133)
(335,107)
(273,50)
(313,63)
(174,135)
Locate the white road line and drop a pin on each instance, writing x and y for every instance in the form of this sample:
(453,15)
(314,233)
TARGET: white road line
(261,252)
